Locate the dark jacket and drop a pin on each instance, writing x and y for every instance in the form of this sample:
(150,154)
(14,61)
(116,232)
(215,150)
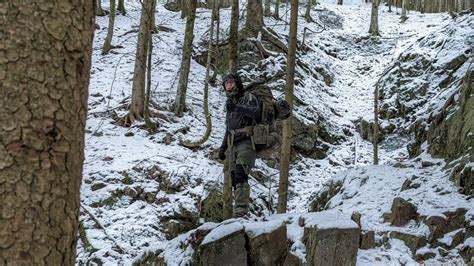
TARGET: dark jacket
(247,110)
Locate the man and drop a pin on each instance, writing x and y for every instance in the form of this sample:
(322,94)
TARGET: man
(243,109)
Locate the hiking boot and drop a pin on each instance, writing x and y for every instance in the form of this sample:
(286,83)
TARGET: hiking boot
(241,199)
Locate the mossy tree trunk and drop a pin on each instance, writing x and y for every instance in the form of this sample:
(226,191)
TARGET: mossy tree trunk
(234,37)
(45,59)
(180,102)
(374,18)
(137,106)
(110,30)
(290,83)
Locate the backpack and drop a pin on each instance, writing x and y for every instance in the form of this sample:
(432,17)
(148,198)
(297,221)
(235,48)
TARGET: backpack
(263,131)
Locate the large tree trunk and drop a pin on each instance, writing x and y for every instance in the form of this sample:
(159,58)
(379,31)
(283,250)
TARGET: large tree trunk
(254,20)
(374,18)
(110,30)
(137,106)
(44,77)
(180,102)
(290,82)
(234,37)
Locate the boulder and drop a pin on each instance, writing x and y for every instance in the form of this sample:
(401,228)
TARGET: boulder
(439,225)
(225,245)
(413,242)
(292,260)
(331,240)
(367,240)
(267,248)
(402,212)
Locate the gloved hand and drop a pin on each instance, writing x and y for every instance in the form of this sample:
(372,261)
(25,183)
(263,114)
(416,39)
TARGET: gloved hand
(230,105)
(221,154)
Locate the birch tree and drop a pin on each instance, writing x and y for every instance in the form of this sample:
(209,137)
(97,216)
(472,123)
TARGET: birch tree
(286,140)
(43,105)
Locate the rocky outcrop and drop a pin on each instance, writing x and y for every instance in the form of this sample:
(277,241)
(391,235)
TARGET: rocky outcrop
(327,238)
(331,246)
(224,246)
(402,212)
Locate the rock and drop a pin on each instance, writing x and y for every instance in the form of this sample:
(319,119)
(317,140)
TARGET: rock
(98,186)
(168,139)
(129,134)
(440,225)
(323,197)
(179,223)
(268,248)
(463,176)
(356,218)
(427,164)
(402,212)
(367,240)
(292,260)
(411,241)
(424,255)
(227,250)
(326,245)
(456,238)
(408,184)
(212,206)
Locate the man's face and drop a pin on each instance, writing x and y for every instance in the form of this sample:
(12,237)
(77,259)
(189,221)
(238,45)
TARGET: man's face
(230,85)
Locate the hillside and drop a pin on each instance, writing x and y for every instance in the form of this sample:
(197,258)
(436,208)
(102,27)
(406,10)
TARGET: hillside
(142,193)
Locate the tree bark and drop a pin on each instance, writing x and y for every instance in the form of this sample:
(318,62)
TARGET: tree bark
(389,3)
(180,102)
(254,20)
(110,30)
(234,37)
(137,106)
(45,59)
(267,11)
(339,2)
(286,140)
(121,7)
(374,18)
(227,190)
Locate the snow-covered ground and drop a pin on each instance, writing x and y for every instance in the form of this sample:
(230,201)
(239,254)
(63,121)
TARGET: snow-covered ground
(128,173)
